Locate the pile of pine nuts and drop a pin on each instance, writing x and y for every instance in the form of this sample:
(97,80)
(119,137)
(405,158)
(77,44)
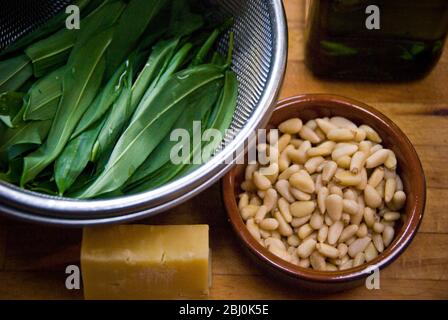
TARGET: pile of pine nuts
(331,198)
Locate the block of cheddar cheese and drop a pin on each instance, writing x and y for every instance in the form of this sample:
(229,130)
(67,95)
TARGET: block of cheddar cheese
(145,262)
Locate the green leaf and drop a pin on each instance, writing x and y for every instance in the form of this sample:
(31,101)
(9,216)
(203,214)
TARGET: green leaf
(205,49)
(115,121)
(51,53)
(75,157)
(196,111)
(157,61)
(146,131)
(222,116)
(81,83)
(130,27)
(10,103)
(14,73)
(183,20)
(42,100)
(33,132)
(51,26)
(102,103)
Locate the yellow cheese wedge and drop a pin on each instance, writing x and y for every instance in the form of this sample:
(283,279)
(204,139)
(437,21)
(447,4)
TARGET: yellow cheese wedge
(145,262)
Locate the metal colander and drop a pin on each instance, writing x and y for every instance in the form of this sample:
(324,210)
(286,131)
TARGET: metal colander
(260,54)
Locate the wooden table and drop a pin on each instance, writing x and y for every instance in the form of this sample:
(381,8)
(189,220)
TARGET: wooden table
(33,258)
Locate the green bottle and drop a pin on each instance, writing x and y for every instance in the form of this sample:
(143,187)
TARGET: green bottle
(381,40)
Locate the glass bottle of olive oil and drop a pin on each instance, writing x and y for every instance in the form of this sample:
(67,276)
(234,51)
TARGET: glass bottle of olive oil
(393,40)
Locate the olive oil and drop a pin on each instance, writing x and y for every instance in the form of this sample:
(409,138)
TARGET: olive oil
(404,44)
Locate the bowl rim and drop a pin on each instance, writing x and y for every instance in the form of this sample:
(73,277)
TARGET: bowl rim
(392,252)
(39,208)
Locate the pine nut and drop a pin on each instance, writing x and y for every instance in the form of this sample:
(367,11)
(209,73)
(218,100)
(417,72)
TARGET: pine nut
(360,135)
(399,200)
(271,172)
(348,232)
(377,159)
(299,195)
(269,224)
(282,254)
(301,209)
(302,181)
(291,126)
(371,134)
(244,200)
(312,164)
(350,206)
(350,194)
(317,261)
(334,205)
(296,142)
(305,249)
(322,234)
(391,216)
(327,250)
(389,189)
(316,221)
(321,197)
(331,267)
(347,179)
(284,161)
(342,122)
(289,172)
(358,246)
(300,155)
(391,161)
(334,232)
(269,242)
(294,240)
(306,133)
(250,169)
(248,212)
(343,249)
(283,142)
(325,125)
(261,182)
(370,252)
(304,263)
(282,187)
(264,234)
(372,197)
(253,229)
(375,148)
(344,162)
(336,190)
(376,177)
(380,189)
(359,259)
(378,242)
(283,206)
(350,241)
(388,235)
(328,220)
(378,227)
(343,149)
(298,222)
(365,146)
(260,213)
(341,134)
(311,124)
(283,227)
(362,185)
(261,194)
(362,231)
(369,217)
(305,231)
(328,171)
(270,199)
(346,265)
(323,149)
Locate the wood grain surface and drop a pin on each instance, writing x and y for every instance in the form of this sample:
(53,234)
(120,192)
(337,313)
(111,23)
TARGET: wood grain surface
(33,258)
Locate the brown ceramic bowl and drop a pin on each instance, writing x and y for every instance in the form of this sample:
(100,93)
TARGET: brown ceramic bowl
(309,107)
